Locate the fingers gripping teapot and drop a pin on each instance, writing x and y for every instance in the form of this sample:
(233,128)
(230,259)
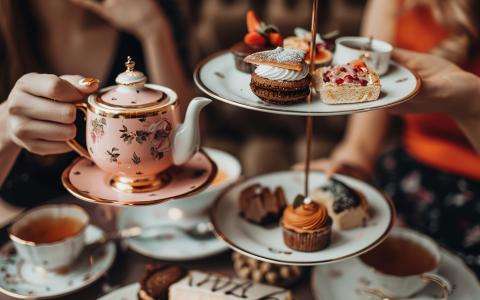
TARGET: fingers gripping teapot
(134,132)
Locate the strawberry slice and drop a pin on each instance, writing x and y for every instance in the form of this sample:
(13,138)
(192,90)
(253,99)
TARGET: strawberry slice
(358,63)
(275,39)
(254,39)
(253,22)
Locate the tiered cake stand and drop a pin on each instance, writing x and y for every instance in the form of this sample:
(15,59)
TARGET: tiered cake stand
(218,78)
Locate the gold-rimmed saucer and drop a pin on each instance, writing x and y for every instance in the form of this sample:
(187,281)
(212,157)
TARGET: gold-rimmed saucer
(84,180)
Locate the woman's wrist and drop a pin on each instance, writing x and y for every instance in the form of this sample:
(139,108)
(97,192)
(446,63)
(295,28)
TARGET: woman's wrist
(469,108)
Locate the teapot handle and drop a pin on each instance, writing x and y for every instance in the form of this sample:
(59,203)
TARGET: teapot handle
(74,144)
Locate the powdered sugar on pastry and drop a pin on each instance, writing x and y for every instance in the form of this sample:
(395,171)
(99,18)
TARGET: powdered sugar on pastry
(286,58)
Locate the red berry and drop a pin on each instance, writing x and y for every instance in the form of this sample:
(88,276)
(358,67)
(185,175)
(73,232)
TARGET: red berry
(254,39)
(275,39)
(339,81)
(342,69)
(326,79)
(363,82)
(253,22)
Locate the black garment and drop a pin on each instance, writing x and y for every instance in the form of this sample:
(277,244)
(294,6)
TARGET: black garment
(442,205)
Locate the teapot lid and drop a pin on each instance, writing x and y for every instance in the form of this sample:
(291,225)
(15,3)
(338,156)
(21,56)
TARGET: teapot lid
(131,91)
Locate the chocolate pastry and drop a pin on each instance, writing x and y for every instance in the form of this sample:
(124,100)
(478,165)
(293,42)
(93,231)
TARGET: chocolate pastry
(280,92)
(281,76)
(260,205)
(157,280)
(241,50)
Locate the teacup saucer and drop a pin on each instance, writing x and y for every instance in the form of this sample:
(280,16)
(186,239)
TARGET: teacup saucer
(88,182)
(343,280)
(267,244)
(179,246)
(19,279)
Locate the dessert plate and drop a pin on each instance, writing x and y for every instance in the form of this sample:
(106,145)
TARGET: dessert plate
(344,280)
(128,292)
(266,243)
(217,77)
(19,279)
(172,243)
(84,180)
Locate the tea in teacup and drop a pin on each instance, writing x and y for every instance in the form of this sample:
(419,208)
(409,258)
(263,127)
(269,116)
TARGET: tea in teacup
(400,257)
(50,236)
(403,265)
(49,229)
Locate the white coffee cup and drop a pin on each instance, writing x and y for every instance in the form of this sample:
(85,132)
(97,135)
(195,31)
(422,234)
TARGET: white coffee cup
(55,255)
(385,286)
(350,48)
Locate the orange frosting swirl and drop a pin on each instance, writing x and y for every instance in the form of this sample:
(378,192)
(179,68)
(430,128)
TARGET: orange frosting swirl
(306,217)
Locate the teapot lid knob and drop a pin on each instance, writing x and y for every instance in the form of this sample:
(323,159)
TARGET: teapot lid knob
(131,77)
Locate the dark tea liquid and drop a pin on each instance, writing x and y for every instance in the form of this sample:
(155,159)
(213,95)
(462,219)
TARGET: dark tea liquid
(400,257)
(49,229)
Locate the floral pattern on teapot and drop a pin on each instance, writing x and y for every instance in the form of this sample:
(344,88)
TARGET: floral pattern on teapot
(134,146)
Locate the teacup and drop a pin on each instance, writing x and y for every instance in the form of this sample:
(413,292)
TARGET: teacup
(375,53)
(413,274)
(50,236)
(134,132)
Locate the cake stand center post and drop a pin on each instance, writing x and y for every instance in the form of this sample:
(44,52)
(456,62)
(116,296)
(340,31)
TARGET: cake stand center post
(309,123)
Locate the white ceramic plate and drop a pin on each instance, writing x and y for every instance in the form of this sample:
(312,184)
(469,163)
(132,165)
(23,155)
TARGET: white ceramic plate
(342,280)
(217,77)
(23,281)
(267,244)
(180,246)
(128,292)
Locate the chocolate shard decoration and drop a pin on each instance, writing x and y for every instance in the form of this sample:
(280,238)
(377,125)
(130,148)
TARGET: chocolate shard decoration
(299,199)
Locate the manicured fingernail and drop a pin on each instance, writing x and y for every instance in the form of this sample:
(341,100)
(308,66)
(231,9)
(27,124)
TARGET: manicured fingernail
(89,81)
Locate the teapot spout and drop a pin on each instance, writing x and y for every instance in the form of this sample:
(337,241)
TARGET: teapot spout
(186,141)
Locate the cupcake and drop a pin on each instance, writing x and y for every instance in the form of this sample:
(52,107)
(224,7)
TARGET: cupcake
(260,205)
(302,40)
(260,37)
(347,207)
(306,226)
(281,76)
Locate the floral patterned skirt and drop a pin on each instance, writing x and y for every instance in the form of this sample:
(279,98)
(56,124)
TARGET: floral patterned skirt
(442,205)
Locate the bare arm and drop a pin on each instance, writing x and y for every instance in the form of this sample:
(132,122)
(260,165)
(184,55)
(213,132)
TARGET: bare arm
(146,20)
(366,131)
(163,62)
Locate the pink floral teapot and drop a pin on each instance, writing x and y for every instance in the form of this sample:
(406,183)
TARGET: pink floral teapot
(133,131)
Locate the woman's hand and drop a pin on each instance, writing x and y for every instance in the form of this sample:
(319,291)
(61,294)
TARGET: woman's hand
(347,159)
(138,17)
(446,88)
(39,114)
